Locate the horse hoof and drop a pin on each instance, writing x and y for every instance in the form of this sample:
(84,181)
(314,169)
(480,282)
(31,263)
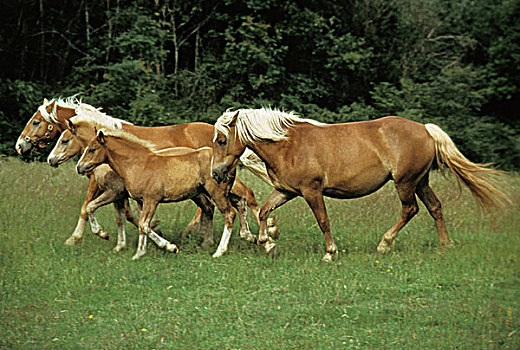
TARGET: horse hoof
(103,234)
(218,254)
(172,248)
(72,241)
(118,248)
(447,245)
(137,256)
(207,245)
(249,237)
(328,257)
(270,248)
(383,250)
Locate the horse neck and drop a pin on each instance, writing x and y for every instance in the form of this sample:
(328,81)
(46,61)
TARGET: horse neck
(62,115)
(268,151)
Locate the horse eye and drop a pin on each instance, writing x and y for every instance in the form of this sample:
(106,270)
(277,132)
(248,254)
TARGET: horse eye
(64,142)
(222,142)
(91,150)
(35,122)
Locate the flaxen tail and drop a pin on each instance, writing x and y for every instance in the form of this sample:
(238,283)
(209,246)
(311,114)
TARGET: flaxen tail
(253,163)
(481,180)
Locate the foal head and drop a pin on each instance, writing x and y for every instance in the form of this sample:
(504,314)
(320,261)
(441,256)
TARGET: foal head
(40,130)
(227,148)
(67,147)
(94,155)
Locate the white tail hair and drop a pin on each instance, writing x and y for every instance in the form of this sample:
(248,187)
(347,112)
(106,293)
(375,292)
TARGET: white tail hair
(480,179)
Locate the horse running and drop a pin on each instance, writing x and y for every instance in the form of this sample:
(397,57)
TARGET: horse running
(310,159)
(152,177)
(51,118)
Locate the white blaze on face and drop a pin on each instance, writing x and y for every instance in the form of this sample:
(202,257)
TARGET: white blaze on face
(54,151)
(81,159)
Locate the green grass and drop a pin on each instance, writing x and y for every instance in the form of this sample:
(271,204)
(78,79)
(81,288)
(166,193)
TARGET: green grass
(417,297)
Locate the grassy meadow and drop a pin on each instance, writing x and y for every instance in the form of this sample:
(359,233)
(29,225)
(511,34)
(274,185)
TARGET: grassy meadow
(57,297)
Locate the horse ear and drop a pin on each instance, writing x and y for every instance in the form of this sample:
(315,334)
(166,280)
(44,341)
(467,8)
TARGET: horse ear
(45,101)
(234,119)
(71,127)
(101,137)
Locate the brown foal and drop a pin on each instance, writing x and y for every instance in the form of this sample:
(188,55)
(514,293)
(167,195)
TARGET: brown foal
(310,159)
(152,177)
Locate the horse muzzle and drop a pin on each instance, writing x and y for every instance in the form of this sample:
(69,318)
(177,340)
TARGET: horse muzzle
(23,146)
(220,174)
(83,169)
(54,161)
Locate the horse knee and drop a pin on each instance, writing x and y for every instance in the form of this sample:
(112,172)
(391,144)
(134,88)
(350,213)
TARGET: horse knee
(410,211)
(436,211)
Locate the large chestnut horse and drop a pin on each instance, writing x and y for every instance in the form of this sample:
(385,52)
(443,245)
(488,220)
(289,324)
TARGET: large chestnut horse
(51,119)
(310,159)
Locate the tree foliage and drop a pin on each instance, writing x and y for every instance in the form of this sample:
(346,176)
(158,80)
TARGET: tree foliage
(454,63)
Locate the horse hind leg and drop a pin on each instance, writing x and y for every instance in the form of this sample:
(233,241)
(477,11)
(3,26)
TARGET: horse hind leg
(240,204)
(410,208)
(432,203)
(119,208)
(206,209)
(193,226)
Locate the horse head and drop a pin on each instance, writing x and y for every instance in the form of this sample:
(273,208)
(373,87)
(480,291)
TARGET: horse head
(227,148)
(93,155)
(40,130)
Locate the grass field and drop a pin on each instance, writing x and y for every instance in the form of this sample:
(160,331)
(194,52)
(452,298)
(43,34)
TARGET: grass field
(57,297)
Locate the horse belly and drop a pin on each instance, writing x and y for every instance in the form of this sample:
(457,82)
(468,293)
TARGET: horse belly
(357,184)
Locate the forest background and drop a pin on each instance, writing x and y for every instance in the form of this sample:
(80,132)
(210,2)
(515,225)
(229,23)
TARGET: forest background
(454,63)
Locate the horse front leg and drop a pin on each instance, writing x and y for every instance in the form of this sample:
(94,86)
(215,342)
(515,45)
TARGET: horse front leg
(92,192)
(275,200)
(315,201)
(206,208)
(219,194)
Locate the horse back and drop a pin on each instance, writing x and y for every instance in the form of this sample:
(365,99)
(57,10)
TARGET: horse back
(193,135)
(353,159)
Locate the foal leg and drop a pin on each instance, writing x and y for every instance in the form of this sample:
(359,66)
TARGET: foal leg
(105,198)
(145,217)
(119,207)
(434,207)
(406,194)
(275,200)
(315,200)
(92,192)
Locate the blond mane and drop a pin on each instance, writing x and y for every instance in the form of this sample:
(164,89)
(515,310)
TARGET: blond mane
(165,152)
(253,125)
(84,113)
(120,134)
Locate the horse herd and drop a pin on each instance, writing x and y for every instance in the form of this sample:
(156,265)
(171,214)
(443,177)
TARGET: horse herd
(296,156)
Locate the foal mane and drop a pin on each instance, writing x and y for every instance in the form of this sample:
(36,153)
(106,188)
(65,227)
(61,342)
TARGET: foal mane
(253,125)
(84,113)
(120,134)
